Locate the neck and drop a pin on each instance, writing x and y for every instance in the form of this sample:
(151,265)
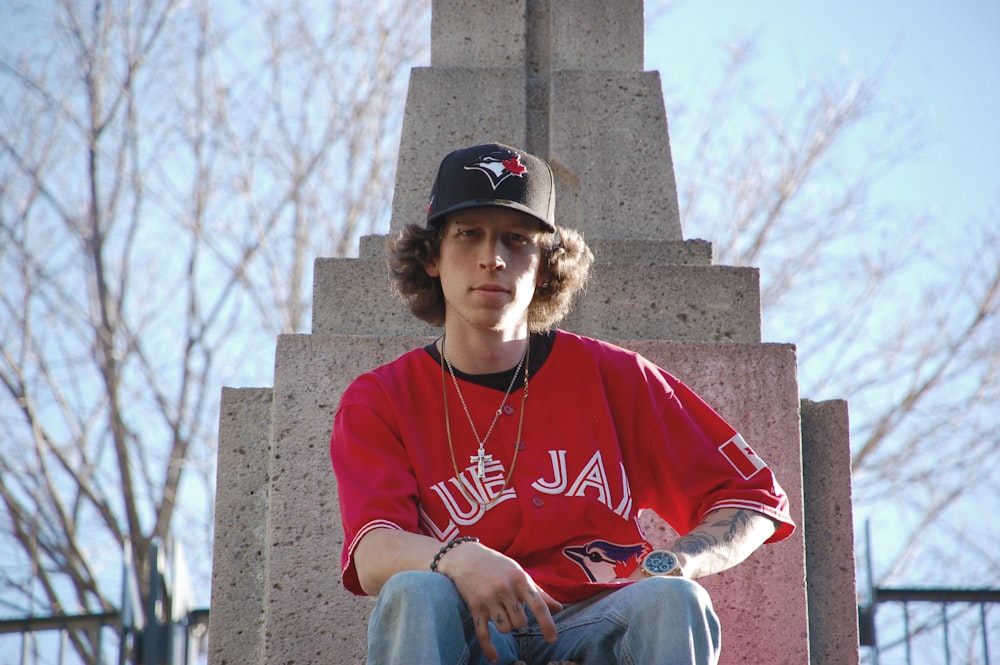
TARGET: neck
(484,353)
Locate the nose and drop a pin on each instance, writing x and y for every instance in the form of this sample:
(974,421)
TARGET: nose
(493,256)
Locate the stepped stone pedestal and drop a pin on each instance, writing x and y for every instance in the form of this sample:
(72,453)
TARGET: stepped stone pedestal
(563,80)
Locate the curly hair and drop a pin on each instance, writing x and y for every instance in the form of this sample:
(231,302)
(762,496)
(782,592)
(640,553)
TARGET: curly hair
(565,266)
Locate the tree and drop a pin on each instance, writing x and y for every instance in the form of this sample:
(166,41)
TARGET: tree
(892,309)
(168,171)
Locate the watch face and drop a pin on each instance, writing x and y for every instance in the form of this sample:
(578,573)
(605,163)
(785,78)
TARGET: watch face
(659,562)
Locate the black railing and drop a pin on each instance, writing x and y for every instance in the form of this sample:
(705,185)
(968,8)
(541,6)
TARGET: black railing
(927,626)
(161,633)
(900,626)
(103,638)
(917,626)
(947,626)
(51,639)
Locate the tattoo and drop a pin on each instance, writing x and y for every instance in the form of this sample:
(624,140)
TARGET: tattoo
(738,525)
(695,543)
(720,540)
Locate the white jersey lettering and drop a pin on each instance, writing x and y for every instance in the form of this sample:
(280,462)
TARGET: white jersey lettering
(558,484)
(625,507)
(593,475)
(427,526)
(462,496)
(480,490)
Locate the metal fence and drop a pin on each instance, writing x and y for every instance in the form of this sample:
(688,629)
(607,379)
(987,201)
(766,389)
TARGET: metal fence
(163,632)
(102,639)
(897,627)
(930,626)
(910,626)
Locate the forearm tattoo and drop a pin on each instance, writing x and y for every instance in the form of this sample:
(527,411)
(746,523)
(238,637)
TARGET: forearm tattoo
(695,543)
(719,540)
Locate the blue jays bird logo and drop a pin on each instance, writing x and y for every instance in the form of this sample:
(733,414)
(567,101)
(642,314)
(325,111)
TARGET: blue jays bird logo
(604,562)
(498,166)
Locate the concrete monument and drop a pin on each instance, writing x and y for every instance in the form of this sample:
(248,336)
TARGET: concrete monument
(565,81)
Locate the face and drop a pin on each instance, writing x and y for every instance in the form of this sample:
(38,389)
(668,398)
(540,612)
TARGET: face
(489,267)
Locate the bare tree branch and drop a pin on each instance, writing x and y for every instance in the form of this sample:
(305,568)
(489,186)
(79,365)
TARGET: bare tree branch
(881,312)
(165,185)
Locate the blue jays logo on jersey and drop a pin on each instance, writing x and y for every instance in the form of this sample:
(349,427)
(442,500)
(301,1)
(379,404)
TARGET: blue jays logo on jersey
(604,562)
(498,166)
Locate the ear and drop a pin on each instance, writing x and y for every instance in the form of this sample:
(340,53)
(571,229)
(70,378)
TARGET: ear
(431,268)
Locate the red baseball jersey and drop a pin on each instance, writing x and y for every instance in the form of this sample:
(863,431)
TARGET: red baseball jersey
(606,433)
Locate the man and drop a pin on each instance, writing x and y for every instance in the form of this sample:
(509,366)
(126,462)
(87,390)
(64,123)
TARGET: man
(490,482)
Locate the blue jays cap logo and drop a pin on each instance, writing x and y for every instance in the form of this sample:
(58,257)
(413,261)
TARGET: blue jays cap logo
(517,180)
(498,166)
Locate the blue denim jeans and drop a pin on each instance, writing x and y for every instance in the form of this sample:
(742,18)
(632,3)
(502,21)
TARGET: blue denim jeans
(420,619)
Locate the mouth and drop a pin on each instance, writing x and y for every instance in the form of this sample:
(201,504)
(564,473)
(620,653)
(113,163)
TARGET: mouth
(490,288)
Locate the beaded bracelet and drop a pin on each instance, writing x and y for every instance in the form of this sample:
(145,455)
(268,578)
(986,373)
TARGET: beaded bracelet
(451,543)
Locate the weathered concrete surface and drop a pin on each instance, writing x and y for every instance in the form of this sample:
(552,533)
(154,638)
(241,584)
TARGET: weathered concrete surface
(606,250)
(829,530)
(624,301)
(308,611)
(447,109)
(575,34)
(563,80)
(239,567)
(310,617)
(610,153)
(754,387)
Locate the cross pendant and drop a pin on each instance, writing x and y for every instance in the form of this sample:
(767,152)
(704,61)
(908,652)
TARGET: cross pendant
(480,460)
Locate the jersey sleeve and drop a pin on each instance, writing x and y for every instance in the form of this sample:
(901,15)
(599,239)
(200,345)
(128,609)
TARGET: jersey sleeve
(376,485)
(708,463)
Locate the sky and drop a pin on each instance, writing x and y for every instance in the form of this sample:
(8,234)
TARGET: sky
(943,58)
(943,62)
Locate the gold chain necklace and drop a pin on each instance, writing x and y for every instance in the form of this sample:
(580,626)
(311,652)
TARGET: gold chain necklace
(482,458)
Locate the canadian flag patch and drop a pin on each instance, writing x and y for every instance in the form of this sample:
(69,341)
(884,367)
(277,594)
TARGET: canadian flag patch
(742,457)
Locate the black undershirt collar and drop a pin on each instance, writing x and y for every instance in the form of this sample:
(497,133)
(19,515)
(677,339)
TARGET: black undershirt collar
(541,346)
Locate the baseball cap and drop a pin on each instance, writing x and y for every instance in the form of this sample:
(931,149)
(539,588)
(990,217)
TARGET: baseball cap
(494,175)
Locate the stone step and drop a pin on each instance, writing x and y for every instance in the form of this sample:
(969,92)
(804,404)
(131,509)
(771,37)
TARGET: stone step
(683,303)
(606,250)
(610,153)
(622,300)
(447,110)
(603,132)
(239,567)
(296,561)
(555,35)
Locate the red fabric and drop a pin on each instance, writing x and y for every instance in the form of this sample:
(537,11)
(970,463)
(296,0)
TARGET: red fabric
(606,433)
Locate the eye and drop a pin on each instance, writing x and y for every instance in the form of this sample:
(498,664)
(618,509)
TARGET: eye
(521,238)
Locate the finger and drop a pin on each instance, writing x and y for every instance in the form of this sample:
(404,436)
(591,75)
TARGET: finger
(553,604)
(502,621)
(483,636)
(542,605)
(517,616)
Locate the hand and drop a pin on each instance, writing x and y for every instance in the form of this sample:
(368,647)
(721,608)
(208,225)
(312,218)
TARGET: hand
(495,588)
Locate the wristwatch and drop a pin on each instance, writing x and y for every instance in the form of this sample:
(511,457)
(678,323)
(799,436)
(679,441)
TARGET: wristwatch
(661,562)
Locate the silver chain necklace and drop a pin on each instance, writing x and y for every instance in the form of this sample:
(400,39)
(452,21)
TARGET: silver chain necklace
(482,458)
